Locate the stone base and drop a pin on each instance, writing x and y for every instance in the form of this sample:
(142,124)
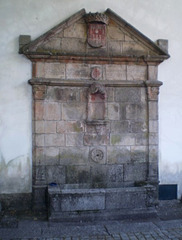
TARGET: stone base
(99,204)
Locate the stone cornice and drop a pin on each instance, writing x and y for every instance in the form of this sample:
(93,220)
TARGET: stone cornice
(88,83)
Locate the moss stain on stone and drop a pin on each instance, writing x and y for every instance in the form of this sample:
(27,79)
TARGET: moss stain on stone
(115,139)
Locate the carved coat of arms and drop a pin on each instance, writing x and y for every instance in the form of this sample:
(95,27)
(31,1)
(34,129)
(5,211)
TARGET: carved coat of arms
(96,36)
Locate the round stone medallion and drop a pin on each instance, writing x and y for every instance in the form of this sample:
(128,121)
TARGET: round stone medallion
(96,73)
(97,155)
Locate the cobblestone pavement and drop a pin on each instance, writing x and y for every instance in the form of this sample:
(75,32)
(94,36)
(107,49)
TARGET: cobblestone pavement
(109,230)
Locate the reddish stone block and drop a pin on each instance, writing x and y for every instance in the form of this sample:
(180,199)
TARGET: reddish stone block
(38,110)
(52,111)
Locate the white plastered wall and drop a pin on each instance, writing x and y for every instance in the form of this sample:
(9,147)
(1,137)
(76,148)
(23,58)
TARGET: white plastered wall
(157,19)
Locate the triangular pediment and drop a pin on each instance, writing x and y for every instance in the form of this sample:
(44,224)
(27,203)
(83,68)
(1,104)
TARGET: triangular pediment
(70,38)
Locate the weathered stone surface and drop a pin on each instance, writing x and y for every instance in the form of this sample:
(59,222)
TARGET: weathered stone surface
(153,153)
(136,72)
(55,174)
(130,95)
(96,111)
(52,111)
(53,44)
(39,140)
(123,139)
(115,33)
(74,139)
(139,153)
(39,126)
(76,30)
(54,70)
(113,111)
(135,172)
(142,139)
(115,72)
(99,176)
(98,129)
(51,156)
(138,127)
(163,44)
(133,48)
(118,155)
(152,72)
(153,138)
(74,155)
(153,110)
(50,127)
(77,174)
(74,126)
(95,139)
(83,201)
(61,127)
(73,111)
(115,175)
(115,48)
(74,46)
(53,140)
(125,199)
(56,94)
(136,112)
(77,71)
(38,110)
(110,94)
(120,127)
(38,155)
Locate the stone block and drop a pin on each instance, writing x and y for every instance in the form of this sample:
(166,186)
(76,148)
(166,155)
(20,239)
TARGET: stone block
(152,72)
(74,111)
(39,140)
(74,139)
(55,174)
(114,48)
(115,175)
(95,139)
(74,155)
(77,174)
(136,112)
(38,156)
(130,95)
(83,94)
(113,111)
(120,127)
(153,153)
(163,44)
(133,48)
(99,176)
(76,30)
(115,33)
(53,44)
(118,155)
(122,111)
(153,126)
(82,200)
(153,139)
(138,127)
(56,94)
(74,126)
(98,129)
(136,72)
(135,172)
(50,126)
(110,94)
(126,198)
(123,139)
(139,153)
(97,155)
(38,110)
(96,111)
(54,140)
(39,92)
(39,126)
(54,70)
(40,66)
(141,139)
(51,156)
(73,45)
(77,71)
(52,111)
(115,72)
(61,126)
(153,110)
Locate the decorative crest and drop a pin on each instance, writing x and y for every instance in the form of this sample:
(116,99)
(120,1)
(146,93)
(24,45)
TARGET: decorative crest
(97,17)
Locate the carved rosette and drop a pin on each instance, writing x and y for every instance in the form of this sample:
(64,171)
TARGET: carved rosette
(153,93)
